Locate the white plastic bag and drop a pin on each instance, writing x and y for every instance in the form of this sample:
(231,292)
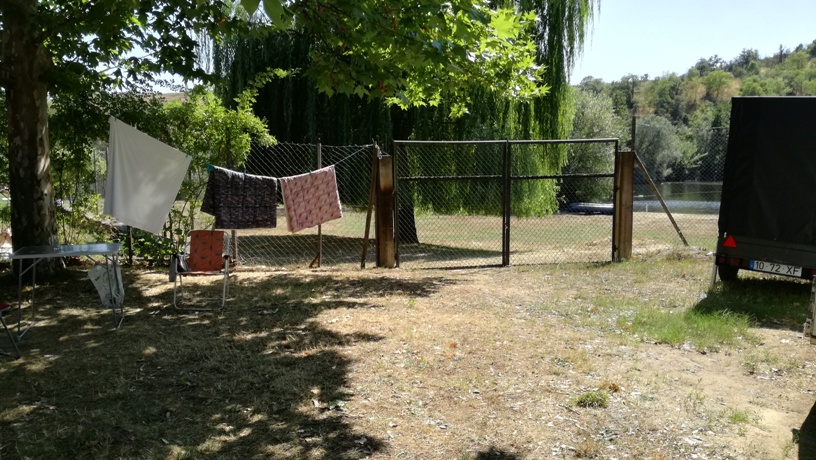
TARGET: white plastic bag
(110,288)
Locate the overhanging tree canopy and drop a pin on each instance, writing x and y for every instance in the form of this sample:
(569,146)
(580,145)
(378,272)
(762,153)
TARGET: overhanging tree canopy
(297,113)
(382,49)
(65,45)
(410,53)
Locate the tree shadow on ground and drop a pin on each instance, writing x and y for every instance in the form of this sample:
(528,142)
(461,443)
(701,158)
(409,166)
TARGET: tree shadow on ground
(806,436)
(496,454)
(444,256)
(301,249)
(261,378)
(771,302)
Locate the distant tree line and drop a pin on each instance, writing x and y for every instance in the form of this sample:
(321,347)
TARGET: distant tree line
(683,119)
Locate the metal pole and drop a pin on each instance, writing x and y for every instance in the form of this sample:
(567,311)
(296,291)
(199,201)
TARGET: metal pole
(615,204)
(130,245)
(506,204)
(396,207)
(371,197)
(319,227)
(660,199)
(233,232)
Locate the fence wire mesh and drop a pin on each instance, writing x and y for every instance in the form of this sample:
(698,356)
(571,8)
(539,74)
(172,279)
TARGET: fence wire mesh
(580,227)
(451,195)
(342,239)
(452,199)
(450,203)
(688,177)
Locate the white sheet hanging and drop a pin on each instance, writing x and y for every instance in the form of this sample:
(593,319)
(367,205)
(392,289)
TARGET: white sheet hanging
(144,177)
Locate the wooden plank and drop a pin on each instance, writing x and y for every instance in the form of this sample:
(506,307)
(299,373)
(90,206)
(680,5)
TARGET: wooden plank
(384,222)
(624,206)
(660,199)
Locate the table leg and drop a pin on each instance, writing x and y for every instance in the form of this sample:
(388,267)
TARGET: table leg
(117,298)
(20,297)
(10,337)
(33,268)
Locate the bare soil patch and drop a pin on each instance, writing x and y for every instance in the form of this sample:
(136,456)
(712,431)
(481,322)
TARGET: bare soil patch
(426,364)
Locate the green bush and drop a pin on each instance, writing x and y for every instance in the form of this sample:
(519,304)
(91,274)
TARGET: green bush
(593,399)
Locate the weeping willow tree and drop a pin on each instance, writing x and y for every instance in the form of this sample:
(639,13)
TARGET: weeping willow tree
(293,106)
(298,107)
(559,36)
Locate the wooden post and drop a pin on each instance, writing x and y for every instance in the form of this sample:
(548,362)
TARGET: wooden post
(384,221)
(372,191)
(660,199)
(624,197)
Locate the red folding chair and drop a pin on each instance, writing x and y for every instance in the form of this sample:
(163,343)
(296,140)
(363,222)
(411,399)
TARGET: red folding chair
(206,257)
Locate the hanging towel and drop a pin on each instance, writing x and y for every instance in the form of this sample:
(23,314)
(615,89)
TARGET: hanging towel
(143,179)
(240,200)
(311,199)
(108,282)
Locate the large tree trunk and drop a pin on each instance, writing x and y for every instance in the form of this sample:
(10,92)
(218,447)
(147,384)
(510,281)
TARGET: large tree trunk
(26,67)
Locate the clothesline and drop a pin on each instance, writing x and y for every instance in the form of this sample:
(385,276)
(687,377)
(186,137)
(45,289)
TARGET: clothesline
(362,148)
(355,153)
(247,201)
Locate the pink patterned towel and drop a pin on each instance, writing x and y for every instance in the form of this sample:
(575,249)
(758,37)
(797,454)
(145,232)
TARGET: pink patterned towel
(311,199)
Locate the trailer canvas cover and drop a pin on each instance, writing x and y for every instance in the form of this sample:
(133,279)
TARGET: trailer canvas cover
(769,181)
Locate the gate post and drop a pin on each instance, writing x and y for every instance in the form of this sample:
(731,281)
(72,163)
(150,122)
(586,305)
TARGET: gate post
(506,203)
(384,216)
(622,218)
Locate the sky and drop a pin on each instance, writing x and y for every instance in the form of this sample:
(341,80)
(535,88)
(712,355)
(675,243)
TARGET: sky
(656,37)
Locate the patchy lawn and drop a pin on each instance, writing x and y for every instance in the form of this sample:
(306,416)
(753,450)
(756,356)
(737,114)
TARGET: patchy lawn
(635,360)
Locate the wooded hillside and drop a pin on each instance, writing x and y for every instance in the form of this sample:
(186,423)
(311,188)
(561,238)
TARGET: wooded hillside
(685,117)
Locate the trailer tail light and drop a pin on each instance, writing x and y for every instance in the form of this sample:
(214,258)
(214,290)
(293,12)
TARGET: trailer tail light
(732,261)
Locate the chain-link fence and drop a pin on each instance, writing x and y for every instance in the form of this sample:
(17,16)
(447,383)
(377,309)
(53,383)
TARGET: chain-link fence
(496,202)
(580,229)
(493,202)
(340,241)
(688,176)
(450,199)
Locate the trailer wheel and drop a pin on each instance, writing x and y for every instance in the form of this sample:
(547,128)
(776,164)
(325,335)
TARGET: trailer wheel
(727,273)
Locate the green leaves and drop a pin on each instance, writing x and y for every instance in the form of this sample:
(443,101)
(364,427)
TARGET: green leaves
(281,18)
(410,54)
(251,5)
(505,24)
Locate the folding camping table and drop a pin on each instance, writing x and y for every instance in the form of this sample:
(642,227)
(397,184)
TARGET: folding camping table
(110,251)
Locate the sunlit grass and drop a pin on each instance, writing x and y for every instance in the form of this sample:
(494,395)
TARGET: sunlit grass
(704,331)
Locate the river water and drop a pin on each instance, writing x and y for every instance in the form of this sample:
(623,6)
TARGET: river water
(681,197)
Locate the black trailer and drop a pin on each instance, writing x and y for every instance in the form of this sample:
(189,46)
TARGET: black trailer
(768,211)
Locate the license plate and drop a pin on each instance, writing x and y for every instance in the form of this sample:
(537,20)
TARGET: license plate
(779,269)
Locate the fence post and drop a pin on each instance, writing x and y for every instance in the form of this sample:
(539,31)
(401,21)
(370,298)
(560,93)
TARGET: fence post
(384,222)
(623,213)
(319,257)
(395,203)
(372,190)
(233,233)
(506,204)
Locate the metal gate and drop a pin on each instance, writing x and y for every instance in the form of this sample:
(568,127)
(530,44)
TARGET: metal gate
(483,203)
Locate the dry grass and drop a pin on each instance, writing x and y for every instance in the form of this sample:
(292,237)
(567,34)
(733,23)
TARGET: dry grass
(453,364)
(469,241)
